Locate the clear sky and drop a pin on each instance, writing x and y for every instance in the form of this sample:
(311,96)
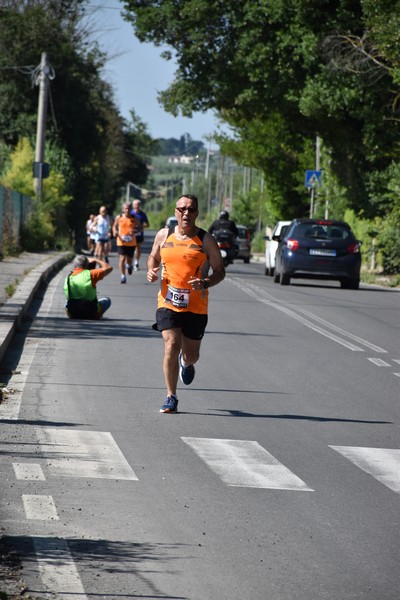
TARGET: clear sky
(137,73)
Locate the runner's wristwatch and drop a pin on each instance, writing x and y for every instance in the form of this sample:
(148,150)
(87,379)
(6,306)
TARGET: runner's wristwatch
(206,284)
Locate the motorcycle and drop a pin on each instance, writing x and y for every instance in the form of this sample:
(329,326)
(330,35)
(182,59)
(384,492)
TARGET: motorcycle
(226,242)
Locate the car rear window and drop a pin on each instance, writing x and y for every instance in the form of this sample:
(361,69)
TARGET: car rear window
(316,230)
(241,232)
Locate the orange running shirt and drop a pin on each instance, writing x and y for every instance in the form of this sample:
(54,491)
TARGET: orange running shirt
(182,260)
(126,230)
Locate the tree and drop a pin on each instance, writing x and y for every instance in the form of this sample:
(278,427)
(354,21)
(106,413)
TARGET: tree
(83,120)
(48,214)
(269,69)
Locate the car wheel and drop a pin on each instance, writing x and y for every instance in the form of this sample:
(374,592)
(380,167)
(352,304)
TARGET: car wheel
(246,260)
(266,271)
(350,284)
(276,276)
(285,279)
(272,271)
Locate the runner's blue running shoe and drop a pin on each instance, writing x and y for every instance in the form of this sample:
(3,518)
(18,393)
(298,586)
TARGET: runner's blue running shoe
(186,374)
(170,405)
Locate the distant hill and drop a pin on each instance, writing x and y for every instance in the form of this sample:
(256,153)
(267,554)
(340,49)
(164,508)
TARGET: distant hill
(185,145)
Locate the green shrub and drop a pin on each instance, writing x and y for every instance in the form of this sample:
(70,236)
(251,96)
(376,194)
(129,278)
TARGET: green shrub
(39,233)
(258,242)
(388,244)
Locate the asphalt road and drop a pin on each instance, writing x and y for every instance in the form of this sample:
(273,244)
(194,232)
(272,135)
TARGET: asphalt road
(279,479)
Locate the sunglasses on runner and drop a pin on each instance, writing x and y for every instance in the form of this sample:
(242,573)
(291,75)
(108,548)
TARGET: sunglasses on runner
(183,209)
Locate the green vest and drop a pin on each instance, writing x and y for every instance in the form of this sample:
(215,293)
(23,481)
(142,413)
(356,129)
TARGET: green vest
(81,286)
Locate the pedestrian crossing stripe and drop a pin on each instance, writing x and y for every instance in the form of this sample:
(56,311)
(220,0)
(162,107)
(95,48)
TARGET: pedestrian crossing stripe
(382,463)
(28,471)
(39,507)
(85,454)
(241,463)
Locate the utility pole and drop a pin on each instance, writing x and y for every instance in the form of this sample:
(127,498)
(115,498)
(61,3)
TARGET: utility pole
(207,176)
(40,168)
(128,191)
(207,160)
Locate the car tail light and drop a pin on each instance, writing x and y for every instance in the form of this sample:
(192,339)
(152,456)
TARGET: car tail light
(292,244)
(224,245)
(247,234)
(354,248)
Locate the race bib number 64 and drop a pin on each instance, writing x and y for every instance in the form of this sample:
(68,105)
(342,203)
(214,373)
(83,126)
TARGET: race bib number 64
(178,297)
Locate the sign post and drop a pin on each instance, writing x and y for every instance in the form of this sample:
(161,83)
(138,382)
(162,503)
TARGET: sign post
(312,182)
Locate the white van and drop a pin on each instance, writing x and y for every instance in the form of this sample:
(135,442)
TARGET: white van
(171,222)
(271,245)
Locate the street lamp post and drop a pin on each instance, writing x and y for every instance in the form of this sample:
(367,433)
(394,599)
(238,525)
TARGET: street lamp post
(128,190)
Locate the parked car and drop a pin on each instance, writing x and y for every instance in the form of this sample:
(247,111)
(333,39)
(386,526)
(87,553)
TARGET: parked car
(242,244)
(318,249)
(271,245)
(171,222)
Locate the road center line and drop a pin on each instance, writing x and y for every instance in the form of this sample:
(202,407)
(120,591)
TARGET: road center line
(264,297)
(379,362)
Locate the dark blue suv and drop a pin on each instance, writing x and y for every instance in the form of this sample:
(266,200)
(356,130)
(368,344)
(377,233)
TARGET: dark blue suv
(318,249)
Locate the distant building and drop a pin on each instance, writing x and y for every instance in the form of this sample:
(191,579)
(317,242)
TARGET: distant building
(181,160)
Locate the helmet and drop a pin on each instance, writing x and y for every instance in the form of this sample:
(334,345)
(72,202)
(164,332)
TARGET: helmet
(224,215)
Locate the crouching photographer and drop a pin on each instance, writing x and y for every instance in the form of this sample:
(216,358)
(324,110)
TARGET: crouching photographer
(80,289)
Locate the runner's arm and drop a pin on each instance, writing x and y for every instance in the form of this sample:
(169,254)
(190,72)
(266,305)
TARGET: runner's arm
(138,224)
(154,259)
(215,261)
(105,268)
(115,228)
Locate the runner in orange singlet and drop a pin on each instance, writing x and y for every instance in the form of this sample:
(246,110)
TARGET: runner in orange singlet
(186,254)
(124,232)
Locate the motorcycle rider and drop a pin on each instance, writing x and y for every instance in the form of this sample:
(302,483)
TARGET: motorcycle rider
(224,229)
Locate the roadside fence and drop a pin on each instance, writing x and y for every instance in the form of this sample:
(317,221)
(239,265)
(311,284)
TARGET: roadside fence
(15,209)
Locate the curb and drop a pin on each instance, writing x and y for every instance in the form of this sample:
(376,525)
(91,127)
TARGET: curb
(16,307)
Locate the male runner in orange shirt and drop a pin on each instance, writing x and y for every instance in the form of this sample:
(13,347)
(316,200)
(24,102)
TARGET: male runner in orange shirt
(186,253)
(124,232)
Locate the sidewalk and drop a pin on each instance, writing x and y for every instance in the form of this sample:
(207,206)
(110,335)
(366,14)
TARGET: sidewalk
(22,275)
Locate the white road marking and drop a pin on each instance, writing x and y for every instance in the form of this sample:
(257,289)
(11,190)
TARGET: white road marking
(355,338)
(29,471)
(57,568)
(382,463)
(10,409)
(39,508)
(244,463)
(71,453)
(379,362)
(263,296)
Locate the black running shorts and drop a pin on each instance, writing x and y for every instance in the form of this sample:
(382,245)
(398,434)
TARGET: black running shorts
(193,325)
(126,251)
